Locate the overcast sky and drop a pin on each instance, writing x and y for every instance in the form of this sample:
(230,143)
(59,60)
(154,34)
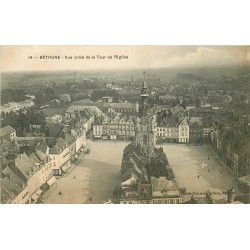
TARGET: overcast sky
(15,58)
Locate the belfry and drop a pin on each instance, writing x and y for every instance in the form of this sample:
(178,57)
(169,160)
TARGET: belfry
(144,129)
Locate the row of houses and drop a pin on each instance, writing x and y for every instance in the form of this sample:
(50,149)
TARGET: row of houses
(107,106)
(68,147)
(232,146)
(117,127)
(188,130)
(25,177)
(29,164)
(169,130)
(15,106)
(87,115)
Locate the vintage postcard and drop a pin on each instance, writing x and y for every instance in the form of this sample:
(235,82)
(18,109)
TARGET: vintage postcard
(125,124)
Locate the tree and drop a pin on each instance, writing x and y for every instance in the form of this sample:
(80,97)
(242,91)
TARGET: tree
(39,98)
(197,103)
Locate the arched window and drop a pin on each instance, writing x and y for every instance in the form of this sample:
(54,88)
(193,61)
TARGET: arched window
(145,140)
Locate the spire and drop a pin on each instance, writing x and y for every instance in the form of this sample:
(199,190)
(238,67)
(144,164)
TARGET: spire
(144,96)
(144,86)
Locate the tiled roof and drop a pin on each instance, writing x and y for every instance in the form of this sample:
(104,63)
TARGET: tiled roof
(14,177)
(69,138)
(117,105)
(6,130)
(54,129)
(162,187)
(59,147)
(168,122)
(25,165)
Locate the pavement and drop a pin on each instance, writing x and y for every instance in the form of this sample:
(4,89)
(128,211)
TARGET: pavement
(186,162)
(94,176)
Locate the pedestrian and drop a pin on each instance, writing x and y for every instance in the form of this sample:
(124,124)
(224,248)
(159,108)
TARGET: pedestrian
(208,158)
(208,170)
(74,176)
(90,199)
(198,176)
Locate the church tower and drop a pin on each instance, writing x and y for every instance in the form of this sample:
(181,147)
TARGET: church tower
(144,133)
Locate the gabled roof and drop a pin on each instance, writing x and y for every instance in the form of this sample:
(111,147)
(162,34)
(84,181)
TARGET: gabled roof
(42,147)
(195,125)
(11,175)
(69,138)
(195,119)
(184,122)
(59,147)
(55,129)
(6,130)
(163,187)
(81,102)
(168,122)
(25,166)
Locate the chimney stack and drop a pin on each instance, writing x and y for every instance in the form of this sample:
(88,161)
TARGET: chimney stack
(230,195)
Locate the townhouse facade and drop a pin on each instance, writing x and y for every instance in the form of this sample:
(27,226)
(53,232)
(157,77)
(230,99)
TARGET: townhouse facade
(233,149)
(60,155)
(15,106)
(119,127)
(25,178)
(184,131)
(168,131)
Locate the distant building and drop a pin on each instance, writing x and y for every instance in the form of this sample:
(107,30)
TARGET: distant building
(15,106)
(106,99)
(206,198)
(60,155)
(123,107)
(87,114)
(119,127)
(168,130)
(195,133)
(184,131)
(7,133)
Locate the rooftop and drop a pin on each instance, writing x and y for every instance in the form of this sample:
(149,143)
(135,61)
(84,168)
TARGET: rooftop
(6,130)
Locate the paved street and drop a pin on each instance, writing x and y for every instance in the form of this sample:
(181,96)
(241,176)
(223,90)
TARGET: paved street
(96,174)
(186,161)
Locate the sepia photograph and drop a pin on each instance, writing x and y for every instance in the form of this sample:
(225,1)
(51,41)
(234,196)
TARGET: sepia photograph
(125,124)
(108,104)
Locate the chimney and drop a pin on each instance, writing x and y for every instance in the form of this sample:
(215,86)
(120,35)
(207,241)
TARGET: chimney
(230,195)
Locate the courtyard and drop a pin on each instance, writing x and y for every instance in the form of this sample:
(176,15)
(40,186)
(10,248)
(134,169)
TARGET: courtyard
(95,175)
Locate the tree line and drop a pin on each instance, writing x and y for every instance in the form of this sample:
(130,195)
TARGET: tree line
(21,121)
